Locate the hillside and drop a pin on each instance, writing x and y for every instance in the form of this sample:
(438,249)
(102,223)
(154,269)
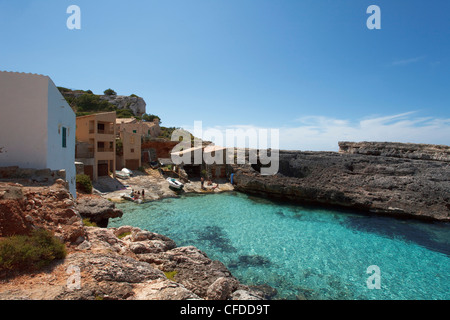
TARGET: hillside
(86,102)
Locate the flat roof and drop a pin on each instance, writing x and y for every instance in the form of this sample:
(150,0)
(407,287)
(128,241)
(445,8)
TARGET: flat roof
(97,114)
(125,120)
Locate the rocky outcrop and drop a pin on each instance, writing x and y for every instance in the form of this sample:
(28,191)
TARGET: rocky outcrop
(97,210)
(24,208)
(380,184)
(135,104)
(101,263)
(133,264)
(397,150)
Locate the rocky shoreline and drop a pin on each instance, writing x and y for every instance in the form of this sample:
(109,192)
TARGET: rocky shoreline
(107,263)
(130,263)
(388,185)
(154,185)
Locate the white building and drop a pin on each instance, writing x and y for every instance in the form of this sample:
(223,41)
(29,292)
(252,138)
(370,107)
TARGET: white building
(37,126)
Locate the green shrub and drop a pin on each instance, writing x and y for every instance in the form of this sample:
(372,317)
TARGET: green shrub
(88,223)
(123,235)
(124,113)
(171,274)
(84,183)
(91,103)
(81,114)
(150,117)
(29,253)
(62,89)
(109,92)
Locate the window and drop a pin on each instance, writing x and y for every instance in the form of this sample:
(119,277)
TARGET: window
(134,131)
(132,150)
(64,137)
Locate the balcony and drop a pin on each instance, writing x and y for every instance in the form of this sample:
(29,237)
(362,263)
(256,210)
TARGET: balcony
(106,131)
(105,150)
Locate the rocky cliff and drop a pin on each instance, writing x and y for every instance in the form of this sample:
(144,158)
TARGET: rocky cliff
(387,185)
(135,104)
(397,150)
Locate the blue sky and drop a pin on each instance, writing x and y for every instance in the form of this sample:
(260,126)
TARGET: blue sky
(311,69)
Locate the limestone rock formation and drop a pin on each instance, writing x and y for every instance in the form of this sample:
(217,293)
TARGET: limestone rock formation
(397,150)
(97,209)
(135,104)
(108,266)
(381,184)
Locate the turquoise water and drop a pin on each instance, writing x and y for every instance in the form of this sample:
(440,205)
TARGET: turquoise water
(305,252)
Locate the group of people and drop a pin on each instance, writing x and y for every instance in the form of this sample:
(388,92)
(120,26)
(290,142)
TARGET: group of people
(209,183)
(136,194)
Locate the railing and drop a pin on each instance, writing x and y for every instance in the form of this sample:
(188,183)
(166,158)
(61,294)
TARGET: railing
(102,131)
(105,150)
(105,131)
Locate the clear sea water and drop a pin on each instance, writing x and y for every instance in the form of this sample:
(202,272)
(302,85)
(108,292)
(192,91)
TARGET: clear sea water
(305,252)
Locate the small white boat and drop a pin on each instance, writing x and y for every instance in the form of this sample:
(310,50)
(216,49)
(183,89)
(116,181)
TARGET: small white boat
(122,175)
(174,183)
(127,171)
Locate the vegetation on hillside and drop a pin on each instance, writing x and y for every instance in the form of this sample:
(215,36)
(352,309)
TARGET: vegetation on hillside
(166,132)
(85,102)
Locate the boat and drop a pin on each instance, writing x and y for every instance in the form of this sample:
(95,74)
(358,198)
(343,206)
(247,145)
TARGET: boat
(174,183)
(127,171)
(122,175)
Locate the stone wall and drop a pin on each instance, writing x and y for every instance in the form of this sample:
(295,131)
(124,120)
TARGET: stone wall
(397,150)
(32,175)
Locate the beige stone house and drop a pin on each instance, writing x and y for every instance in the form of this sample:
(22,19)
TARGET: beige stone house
(145,129)
(129,153)
(96,144)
